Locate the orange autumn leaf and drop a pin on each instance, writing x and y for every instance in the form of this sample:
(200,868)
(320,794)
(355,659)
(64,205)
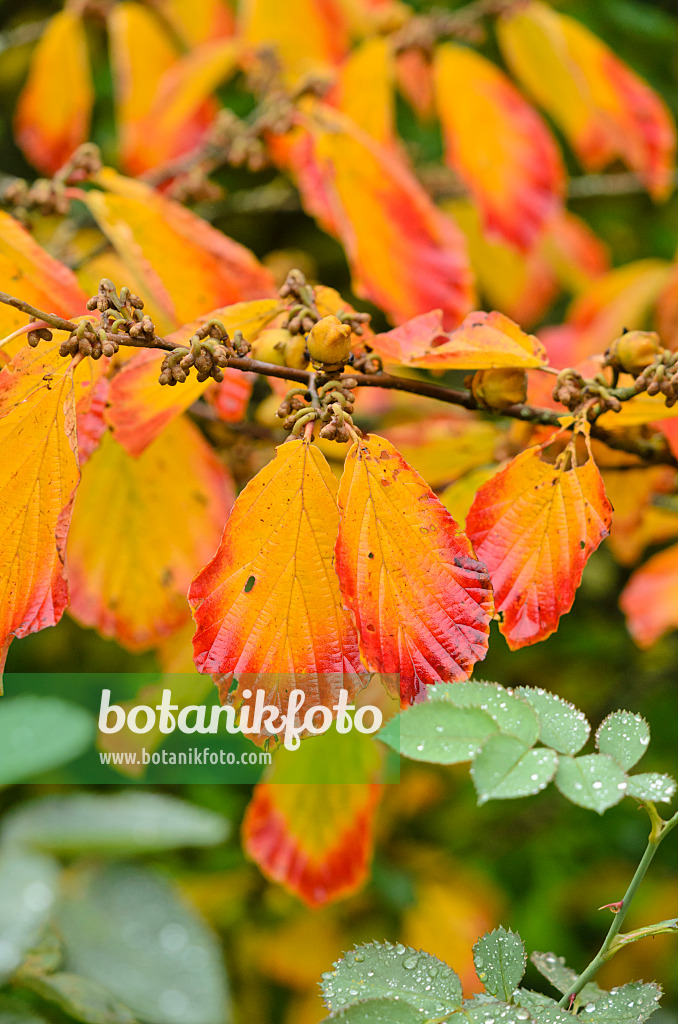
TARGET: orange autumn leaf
(44,282)
(199,23)
(182,108)
(420,600)
(231,398)
(535,525)
(267,607)
(316,837)
(576,255)
(53,110)
(415,80)
(369,72)
(267,24)
(622,298)
(186,265)
(650,598)
(521,285)
(483,340)
(141,51)
(498,145)
(603,107)
(38,477)
(443,448)
(405,255)
(140,409)
(637,520)
(130,562)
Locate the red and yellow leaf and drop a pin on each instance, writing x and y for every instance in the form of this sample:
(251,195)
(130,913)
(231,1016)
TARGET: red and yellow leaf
(420,599)
(405,255)
(38,477)
(53,110)
(265,23)
(535,525)
(650,599)
(182,109)
(187,266)
(316,840)
(267,607)
(483,340)
(521,285)
(603,107)
(498,145)
(369,72)
(414,72)
(199,23)
(316,837)
(443,448)
(26,268)
(140,409)
(130,559)
(141,51)
(622,298)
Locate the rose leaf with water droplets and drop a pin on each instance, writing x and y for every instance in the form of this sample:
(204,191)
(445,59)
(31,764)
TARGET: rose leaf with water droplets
(561,725)
(594,781)
(378,970)
(624,736)
(438,732)
(513,716)
(507,768)
(500,959)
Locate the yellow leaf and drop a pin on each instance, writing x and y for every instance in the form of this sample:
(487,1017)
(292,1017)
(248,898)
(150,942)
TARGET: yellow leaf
(420,600)
(498,144)
(27,268)
(483,340)
(267,607)
(180,113)
(53,111)
(130,562)
(38,477)
(604,109)
(443,448)
(199,23)
(265,23)
(141,52)
(186,265)
(369,72)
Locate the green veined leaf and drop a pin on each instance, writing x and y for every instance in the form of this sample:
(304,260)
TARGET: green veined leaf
(561,725)
(594,781)
(513,715)
(438,732)
(500,958)
(507,768)
(624,736)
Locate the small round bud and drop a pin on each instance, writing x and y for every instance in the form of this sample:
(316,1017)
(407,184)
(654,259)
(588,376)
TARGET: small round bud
(269,347)
(499,388)
(634,351)
(329,343)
